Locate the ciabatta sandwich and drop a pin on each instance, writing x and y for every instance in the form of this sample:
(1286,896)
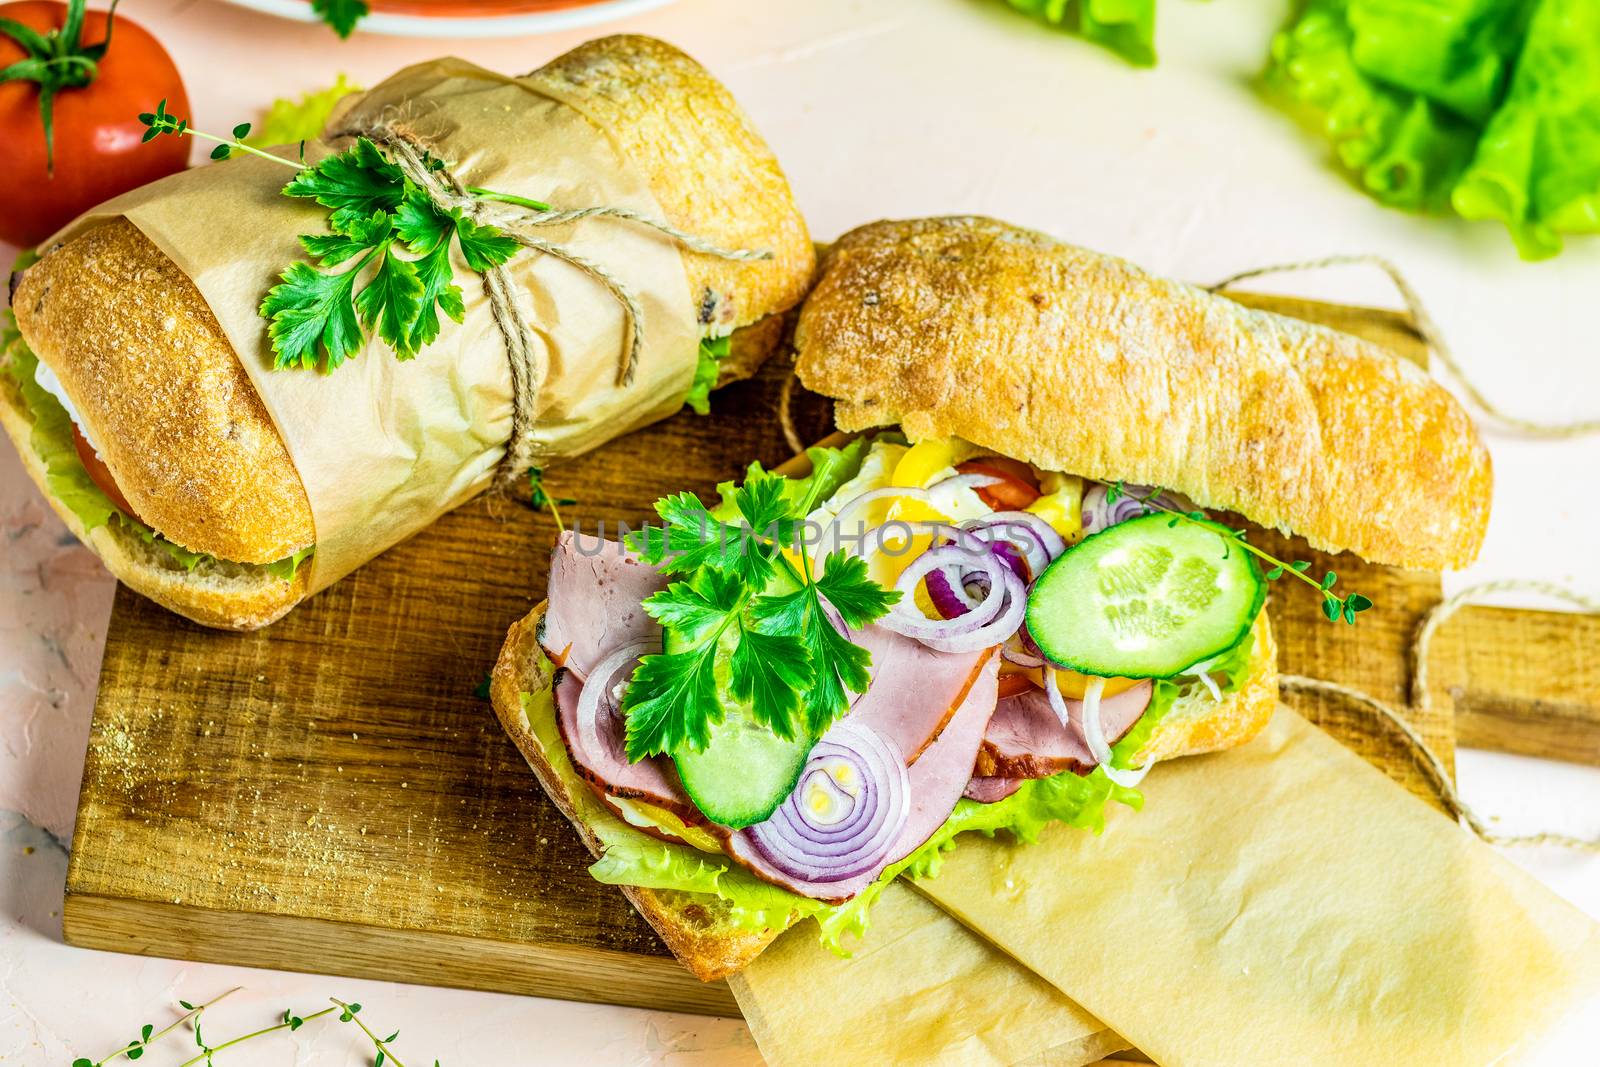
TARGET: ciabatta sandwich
(146,429)
(996,609)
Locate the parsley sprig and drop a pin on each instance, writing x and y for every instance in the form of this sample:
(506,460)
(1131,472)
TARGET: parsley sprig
(341,15)
(1334,607)
(387,266)
(785,659)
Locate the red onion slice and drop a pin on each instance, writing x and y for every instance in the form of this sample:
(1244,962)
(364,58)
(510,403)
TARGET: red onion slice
(1099,515)
(1036,539)
(833,537)
(607,736)
(853,799)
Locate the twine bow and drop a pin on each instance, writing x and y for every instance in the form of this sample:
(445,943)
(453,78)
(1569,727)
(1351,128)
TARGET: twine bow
(447,192)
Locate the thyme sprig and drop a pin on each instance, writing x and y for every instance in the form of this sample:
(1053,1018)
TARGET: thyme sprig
(290,1021)
(1334,607)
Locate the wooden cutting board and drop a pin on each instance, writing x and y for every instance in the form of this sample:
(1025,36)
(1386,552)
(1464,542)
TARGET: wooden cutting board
(330,795)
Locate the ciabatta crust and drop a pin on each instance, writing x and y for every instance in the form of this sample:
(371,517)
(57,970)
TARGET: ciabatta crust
(222,595)
(673,120)
(704,942)
(178,423)
(1199,722)
(1080,362)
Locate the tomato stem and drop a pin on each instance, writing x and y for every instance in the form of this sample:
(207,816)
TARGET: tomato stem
(55,60)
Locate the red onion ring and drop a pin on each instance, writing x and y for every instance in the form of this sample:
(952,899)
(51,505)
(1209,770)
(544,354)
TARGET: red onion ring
(593,735)
(833,537)
(1028,534)
(1098,515)
(907,619)
(864,816)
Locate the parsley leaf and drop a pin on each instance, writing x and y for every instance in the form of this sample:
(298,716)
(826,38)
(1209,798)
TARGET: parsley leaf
(787,662)
(375,212)
(838,663)
(354,184)
(342,15)
(672,698)
(856,597)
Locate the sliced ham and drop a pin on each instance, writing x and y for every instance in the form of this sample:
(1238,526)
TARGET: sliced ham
(1025,739)
(937,781)
(990,790)
(914,689)
(653,780)
(597,588)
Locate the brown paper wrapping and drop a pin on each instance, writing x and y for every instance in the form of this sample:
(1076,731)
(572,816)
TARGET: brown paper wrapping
(1284,902)
(921,989)
(383,447)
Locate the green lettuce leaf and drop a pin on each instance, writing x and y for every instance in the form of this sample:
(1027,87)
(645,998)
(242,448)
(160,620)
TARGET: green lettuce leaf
(1537,168)
(289,121)
(1126,27)
(1488,108)
(830,468)
(713,350)
(65,476)
(1405,149)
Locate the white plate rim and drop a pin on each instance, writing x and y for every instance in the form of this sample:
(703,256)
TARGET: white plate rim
(395,25)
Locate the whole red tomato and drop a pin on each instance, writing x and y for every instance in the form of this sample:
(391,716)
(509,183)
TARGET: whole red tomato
(94,99)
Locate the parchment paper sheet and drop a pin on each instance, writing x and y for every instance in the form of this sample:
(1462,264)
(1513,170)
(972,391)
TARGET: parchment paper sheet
(385,447)
(922,989)
(1284,902)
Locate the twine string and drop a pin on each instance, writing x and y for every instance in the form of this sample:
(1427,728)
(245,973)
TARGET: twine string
(1422,753)
(410,153)
(1431,336)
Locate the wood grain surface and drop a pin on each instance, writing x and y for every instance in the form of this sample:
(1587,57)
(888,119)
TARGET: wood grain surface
(329,795)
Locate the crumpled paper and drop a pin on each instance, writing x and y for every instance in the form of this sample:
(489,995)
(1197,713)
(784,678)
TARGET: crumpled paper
(384,447)
(1284,902)
(921,989)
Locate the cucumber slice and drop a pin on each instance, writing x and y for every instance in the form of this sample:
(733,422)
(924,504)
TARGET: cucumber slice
(741,777)
(1145,599)
(746,770)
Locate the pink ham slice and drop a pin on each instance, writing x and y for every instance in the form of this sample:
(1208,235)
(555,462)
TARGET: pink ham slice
(937,781)
(1025,739)
(914,690)
(597,588)
(991,790)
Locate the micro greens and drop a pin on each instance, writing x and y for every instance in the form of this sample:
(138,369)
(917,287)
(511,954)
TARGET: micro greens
(391,244)
(290,1021)
(786,661)
(543,501)
(1334,607)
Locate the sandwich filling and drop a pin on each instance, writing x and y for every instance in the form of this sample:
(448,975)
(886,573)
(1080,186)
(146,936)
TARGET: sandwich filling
(967,716)
(79,480)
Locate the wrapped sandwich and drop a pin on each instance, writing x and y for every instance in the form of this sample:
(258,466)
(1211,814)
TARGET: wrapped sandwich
(555,259)
(997,607)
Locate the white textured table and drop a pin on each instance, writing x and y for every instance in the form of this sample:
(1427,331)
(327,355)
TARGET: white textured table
(877,108)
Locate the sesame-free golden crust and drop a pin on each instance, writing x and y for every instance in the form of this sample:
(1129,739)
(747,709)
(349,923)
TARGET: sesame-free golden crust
(702,940)
(707,166)
(218,594)
(175,416)
(1080,362)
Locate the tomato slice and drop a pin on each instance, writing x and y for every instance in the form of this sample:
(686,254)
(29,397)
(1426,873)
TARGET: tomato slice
(1016,489)
(99,473)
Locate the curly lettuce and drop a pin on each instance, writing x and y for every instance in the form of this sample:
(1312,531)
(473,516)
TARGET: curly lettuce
(713,350)
(1126,27)
(1487,108)
(289,121)
(1537,166)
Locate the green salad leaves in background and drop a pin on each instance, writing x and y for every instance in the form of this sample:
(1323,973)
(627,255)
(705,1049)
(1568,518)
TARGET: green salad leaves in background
(1126,27)
(1487,108)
